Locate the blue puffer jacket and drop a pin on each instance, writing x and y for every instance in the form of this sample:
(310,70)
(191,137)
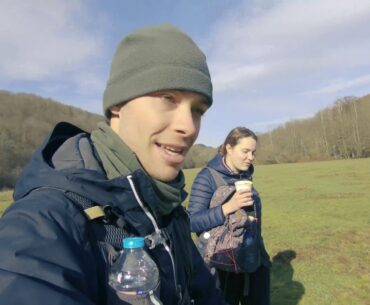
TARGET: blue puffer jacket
(203,218)
(50,251)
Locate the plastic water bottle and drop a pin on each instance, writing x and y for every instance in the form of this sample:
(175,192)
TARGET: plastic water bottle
(202,242)
(135,276)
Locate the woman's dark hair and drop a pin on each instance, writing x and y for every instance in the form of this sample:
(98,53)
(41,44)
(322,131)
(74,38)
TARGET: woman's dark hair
(234,136)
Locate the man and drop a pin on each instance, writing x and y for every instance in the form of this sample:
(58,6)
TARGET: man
(82,193)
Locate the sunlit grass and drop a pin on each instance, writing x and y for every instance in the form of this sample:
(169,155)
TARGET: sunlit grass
(5,200)
(316,227)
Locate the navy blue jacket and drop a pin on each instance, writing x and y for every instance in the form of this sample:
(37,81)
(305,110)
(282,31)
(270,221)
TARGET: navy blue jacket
(203,218)
(49,250)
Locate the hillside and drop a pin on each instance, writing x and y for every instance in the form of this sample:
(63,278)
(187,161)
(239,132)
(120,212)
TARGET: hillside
(26,119)
(341,131)
(199,155)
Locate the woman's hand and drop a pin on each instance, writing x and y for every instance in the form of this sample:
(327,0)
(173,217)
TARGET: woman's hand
(240,199)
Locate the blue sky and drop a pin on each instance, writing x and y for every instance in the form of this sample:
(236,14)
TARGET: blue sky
(270,61)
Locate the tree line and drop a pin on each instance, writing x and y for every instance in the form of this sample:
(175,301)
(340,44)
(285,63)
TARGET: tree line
(341,131)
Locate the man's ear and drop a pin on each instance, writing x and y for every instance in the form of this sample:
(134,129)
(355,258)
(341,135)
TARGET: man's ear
(115,111)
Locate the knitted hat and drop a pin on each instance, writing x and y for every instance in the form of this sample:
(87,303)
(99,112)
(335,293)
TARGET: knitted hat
(153,59)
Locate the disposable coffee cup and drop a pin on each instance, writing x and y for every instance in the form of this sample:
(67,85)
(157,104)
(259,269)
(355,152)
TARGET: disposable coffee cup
(243,185)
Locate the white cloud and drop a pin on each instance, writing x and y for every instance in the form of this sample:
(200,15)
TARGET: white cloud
(289,41)
(340,84)
(227,77)
(89,83)
(265,126)
(42,40)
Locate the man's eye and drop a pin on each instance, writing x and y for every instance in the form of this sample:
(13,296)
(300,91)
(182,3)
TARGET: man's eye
(199,111)
(167,98)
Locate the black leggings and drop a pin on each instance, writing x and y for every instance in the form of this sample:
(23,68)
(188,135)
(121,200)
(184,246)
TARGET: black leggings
(232,287)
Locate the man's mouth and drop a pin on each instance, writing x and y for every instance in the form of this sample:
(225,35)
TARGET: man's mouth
(172,150)
(172,154)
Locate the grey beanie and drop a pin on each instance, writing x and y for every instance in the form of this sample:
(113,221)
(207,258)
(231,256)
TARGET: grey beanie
(156,58)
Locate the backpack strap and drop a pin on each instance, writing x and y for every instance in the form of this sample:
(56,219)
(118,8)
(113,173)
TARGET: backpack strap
(108,223)
(109,226)
(91,210)
(219,180)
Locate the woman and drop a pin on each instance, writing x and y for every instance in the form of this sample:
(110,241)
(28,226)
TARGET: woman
(233,162)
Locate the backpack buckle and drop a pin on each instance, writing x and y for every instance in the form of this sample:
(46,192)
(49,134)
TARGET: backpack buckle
(154,239)
(112,216)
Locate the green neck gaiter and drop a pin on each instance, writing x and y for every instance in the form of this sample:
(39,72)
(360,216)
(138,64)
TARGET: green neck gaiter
(119,160)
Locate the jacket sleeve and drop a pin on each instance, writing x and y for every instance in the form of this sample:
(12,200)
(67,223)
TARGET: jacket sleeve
(204,291)
(44,255)
(203,218)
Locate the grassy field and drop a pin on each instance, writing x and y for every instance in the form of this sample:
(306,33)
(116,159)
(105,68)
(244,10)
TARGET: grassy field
(316,226)
(5,200)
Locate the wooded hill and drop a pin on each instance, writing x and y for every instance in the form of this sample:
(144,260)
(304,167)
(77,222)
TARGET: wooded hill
(25,121)
(341,131)
(338,132)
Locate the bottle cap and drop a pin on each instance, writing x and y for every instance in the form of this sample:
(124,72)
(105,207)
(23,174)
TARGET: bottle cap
(133,242)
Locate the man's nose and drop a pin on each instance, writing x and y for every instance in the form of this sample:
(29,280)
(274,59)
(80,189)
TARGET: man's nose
(185,122)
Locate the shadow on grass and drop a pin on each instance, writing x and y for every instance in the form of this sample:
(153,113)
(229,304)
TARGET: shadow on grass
(284,290)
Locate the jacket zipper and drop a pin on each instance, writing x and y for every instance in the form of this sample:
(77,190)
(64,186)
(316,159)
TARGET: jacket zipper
(155,225)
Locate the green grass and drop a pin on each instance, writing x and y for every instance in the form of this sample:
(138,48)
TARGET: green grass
(320,210)
(5,200)
(316,226)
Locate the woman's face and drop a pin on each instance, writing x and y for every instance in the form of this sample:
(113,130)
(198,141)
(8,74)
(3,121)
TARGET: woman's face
(241,156)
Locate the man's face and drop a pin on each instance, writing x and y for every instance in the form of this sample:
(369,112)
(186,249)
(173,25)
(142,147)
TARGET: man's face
(160,128)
